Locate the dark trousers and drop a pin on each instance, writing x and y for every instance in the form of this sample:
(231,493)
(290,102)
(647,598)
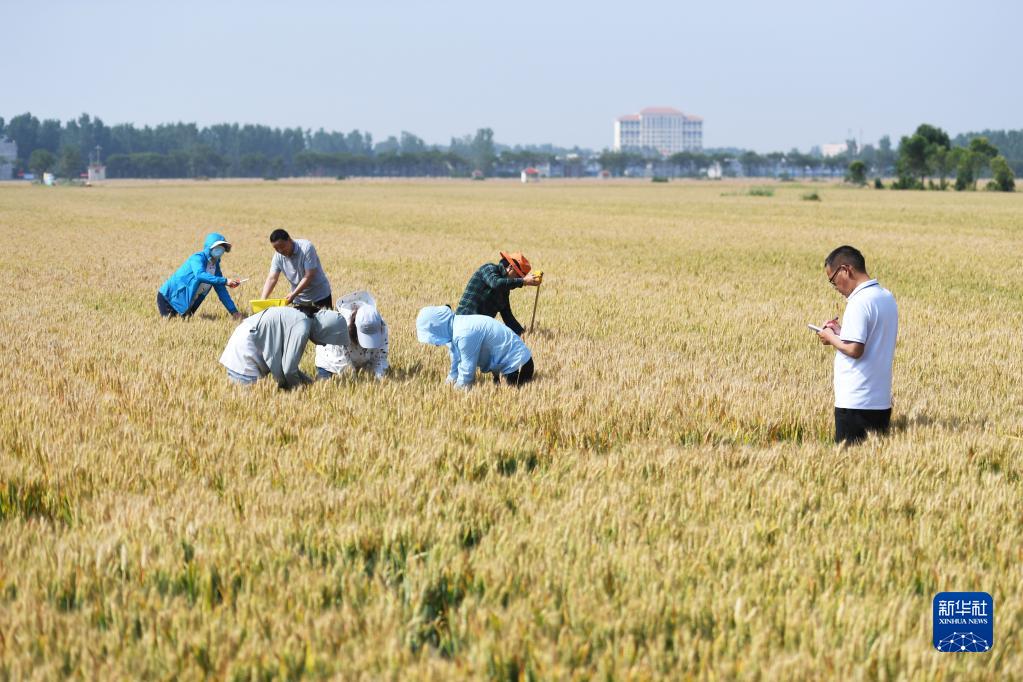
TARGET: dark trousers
(310,309)
(851,426)
(167,310)
(520,376)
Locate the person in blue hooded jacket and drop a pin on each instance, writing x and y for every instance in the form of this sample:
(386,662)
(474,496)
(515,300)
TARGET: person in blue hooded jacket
(184,292)
(475,341)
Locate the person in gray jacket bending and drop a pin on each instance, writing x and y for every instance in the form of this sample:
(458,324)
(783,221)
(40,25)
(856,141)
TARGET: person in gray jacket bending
(272,342)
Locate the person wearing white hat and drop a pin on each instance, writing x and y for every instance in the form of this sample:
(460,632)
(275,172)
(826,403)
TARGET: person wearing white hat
(368,340)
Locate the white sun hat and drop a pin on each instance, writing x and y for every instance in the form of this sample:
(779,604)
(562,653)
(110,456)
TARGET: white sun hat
(370,327)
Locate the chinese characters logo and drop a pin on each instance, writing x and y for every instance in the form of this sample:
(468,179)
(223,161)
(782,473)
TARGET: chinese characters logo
(964,622)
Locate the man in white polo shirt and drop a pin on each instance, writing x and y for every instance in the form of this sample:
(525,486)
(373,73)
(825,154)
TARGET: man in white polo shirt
(864,347)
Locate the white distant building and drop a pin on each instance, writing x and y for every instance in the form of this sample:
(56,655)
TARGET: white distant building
(8,155)
(664,129)
(834,149)
(97,171)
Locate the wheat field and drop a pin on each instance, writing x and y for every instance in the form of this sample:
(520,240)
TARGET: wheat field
(664,501)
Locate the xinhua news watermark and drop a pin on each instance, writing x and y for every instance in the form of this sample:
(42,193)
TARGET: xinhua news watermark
(964,622)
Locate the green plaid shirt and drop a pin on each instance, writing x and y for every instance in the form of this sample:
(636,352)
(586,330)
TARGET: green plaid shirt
(487,294)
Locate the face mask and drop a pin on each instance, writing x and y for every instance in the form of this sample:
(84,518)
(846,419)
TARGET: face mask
(217,252)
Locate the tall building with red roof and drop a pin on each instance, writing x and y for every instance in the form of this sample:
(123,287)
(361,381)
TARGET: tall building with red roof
(664,129)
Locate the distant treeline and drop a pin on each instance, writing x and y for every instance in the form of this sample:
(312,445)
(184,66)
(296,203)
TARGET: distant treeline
(1008,142)
(181,150)
(175,150)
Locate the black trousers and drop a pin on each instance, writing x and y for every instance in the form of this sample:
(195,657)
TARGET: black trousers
(310,309)
(851,426)
(167,310)
(520,376)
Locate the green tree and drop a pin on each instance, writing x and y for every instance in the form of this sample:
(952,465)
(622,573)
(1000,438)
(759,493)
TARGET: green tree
(253,165)
(388,146)
(752,164)
(934,135)
(70,162)
(965,179)
(24,130)
(483,154)
(49,135)
(868,155)
(981,145)
(1004,179)
(920,154)
(204,161)
(856,173)
(971,161)
(690,164)
(941,161)
(41,161)
(981,154)
(1009,143)
(617,163)
(411,144)
(885,155)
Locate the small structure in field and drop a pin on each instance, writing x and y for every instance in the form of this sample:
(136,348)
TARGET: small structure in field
(530,175)
(8,155)
(97,171)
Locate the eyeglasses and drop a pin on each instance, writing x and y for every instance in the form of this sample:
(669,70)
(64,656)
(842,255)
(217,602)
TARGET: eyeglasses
(831,280)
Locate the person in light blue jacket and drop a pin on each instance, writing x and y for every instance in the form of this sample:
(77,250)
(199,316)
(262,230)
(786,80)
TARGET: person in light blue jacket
(475,341)
(184,292)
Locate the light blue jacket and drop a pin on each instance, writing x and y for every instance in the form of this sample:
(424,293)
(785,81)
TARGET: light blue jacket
(180,289)
(473,341)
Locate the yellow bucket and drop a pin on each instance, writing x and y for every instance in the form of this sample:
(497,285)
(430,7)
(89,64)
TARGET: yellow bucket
(261,304)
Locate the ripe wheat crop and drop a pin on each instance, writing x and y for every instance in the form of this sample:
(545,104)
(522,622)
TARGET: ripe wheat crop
(663,501)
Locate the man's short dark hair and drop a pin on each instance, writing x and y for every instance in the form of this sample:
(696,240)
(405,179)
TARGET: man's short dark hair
(846,255)
(278,235)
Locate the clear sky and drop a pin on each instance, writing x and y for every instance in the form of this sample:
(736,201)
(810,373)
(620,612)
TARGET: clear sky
(765,75)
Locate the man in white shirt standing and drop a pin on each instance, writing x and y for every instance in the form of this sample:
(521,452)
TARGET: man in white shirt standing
(298,260)
(864,347)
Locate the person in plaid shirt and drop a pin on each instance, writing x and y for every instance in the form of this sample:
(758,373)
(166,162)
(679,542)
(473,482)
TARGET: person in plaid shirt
(487,290)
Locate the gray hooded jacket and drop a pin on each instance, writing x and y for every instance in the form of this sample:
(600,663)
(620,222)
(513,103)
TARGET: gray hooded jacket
(281,334)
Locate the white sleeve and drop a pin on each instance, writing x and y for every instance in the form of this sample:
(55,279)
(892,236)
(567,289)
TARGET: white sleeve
(333,358)
(275,263)
(380,357)
(856,322)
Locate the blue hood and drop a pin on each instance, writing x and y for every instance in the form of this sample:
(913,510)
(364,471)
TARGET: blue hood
(211,239)
(433,325)
(184,289)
